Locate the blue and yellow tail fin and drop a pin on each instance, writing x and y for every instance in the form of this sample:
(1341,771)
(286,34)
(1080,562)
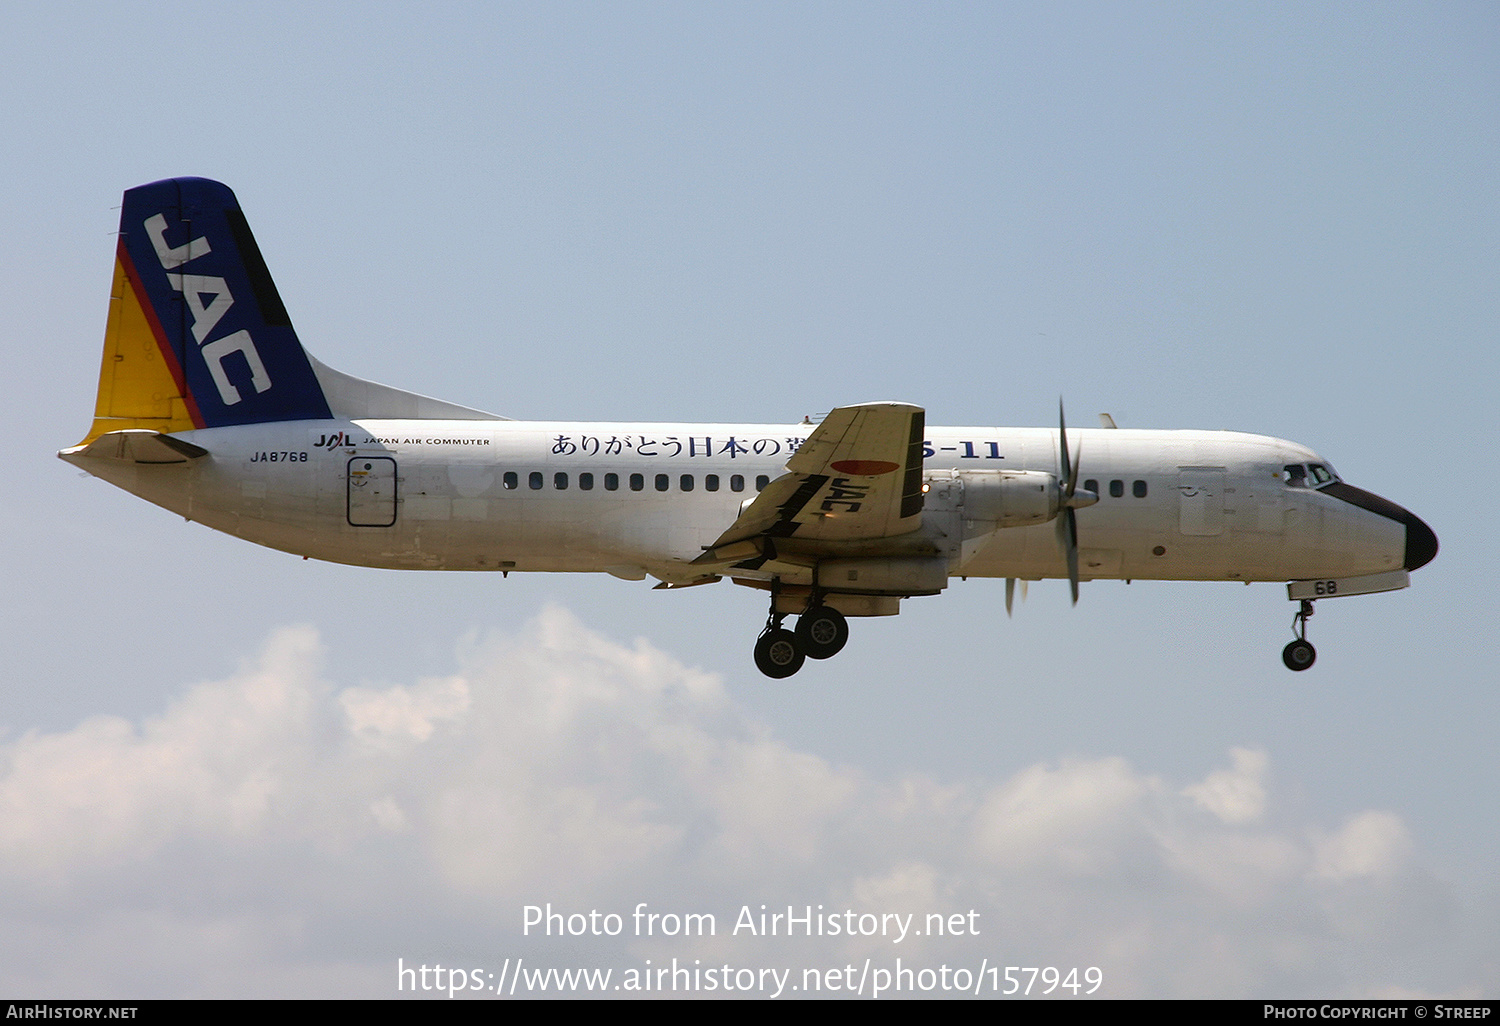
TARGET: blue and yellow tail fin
(197,334)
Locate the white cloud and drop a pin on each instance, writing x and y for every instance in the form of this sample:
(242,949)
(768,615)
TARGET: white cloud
(404,713)
(1235,795)
(1370,844)
(213,766)
(1075,817)
(277,834)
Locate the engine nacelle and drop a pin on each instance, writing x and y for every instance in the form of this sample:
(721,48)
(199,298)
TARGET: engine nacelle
(1008,498)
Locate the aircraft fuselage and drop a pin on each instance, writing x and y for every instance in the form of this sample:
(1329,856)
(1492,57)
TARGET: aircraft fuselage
(570,496)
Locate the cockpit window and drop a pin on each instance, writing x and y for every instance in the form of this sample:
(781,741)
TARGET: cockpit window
(1313,475)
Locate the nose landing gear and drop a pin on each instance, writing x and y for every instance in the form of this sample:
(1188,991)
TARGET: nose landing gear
(1299,654)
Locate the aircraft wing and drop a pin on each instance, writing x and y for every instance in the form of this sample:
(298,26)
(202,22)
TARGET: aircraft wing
(857,477)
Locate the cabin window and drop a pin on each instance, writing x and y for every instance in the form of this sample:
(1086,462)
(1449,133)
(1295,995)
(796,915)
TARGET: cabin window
(761,481)
(560,481)
(711,482)
(1116,488)
(637,482)
(612,482)
(1091,485)
(736,482)
(686,482)
(1138,489)
(510,480)
(586,482)
(663,482)
(535,480)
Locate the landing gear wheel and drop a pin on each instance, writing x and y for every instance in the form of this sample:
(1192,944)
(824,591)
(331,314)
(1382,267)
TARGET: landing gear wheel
(1298,655)
(822,631)
(778,653)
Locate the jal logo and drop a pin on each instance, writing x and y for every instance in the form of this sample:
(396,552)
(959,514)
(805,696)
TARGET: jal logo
(334,441)
(209,299)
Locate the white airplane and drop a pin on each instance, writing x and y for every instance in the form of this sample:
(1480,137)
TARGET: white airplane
(209,406)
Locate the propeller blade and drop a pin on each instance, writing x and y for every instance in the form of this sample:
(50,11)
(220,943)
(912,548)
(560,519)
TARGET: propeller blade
(1067,540)
(1062,445)
(1067,520)
(1010,594)
(1072,519)
(1070,461)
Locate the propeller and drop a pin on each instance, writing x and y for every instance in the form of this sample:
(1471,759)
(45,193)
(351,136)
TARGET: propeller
(1010,592)
(1070,500)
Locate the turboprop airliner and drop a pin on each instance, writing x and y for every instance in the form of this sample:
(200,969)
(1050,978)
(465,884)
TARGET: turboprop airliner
(209,406)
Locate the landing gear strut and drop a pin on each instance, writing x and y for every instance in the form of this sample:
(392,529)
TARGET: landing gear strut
(1299,654)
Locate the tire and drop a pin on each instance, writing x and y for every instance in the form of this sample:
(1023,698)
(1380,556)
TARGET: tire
(778,654)
(1298,655)
(822,632)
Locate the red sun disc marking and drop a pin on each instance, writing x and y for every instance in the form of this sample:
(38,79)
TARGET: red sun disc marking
(865,468)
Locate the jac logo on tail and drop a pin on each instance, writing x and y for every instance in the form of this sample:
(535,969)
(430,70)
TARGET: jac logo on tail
(194,287)
(843,492)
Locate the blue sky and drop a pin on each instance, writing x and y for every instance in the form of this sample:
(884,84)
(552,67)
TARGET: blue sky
(1273,219)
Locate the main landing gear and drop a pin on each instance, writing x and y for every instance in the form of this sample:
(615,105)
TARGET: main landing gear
(821,632)
(1299,654)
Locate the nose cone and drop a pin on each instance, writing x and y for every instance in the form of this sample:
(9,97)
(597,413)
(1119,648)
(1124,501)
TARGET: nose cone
(1421,543)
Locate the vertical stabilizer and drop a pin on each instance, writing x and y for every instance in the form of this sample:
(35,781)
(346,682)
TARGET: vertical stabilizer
(197,334)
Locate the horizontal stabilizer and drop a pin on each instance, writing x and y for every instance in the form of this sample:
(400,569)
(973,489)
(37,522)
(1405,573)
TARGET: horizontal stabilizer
(138,446)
